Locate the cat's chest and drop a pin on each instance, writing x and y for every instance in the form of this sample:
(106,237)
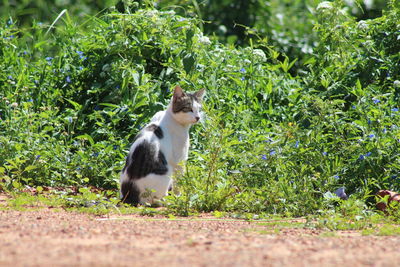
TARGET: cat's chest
(175,147)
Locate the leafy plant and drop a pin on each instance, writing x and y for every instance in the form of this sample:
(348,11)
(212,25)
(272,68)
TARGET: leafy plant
(283,129)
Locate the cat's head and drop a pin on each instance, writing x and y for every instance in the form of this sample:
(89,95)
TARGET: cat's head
(186,107)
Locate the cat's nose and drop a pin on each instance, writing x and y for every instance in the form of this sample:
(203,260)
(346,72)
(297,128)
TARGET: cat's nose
(197,118)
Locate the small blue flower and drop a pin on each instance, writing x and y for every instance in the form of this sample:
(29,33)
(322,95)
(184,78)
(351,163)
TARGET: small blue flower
(243,78)
(96,154)
(368,154)
(369,121)
(395,109)
(79,52)
(9,77)
(243,70)
(394,176)
(70,119)
(353,107)
(264,157)
(49,59)
(384,130)
(297,144)
(361,157)
(272,152)
(376,101)
(115,147)
(38,157)
(341,193)
(336,177)
(36,82)
(68,79)
(30,100)
(325,153)
(80,68)
(371,136)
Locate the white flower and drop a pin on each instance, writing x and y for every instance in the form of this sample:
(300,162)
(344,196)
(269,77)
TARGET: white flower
(259,55)
(169,12)
(362,25)
(204,40)
(324,5)
(200,67)
(152,13)
(396,84)
(14,105)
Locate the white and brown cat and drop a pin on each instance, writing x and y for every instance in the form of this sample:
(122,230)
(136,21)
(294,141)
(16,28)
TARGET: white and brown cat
(155,155)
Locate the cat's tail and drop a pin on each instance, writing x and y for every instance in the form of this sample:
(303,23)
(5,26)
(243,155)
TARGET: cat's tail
(129,192)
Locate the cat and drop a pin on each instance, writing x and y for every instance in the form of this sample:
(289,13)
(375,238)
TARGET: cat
(159,148)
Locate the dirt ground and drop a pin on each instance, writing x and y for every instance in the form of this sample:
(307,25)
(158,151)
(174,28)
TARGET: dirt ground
(58,238)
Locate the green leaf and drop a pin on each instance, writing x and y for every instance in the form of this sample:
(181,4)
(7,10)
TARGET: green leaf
(269,87)
(189,36)
(188,62)
(358,85)
(136,78)
(86,137)
(83,190)
(76,105)
(109,105)
(324,82)
(16,184)
(140,101)
(29,168)
(12,163)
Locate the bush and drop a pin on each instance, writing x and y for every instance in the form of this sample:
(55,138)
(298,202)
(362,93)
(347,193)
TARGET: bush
(74,98)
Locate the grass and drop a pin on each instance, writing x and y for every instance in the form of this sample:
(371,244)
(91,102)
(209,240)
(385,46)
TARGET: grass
(376,225)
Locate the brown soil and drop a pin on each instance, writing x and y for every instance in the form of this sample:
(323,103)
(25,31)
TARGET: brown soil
(58,238)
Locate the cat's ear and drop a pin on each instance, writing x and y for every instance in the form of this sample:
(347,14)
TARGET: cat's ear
(178,92)
(200,94)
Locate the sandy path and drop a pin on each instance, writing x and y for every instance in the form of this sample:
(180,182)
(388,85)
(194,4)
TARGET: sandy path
(59,238)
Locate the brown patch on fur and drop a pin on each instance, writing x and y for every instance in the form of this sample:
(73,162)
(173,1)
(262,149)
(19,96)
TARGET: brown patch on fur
(183,102)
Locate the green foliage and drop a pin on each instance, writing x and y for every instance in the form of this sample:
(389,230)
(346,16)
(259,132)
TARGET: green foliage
(25,11)
(73,96)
